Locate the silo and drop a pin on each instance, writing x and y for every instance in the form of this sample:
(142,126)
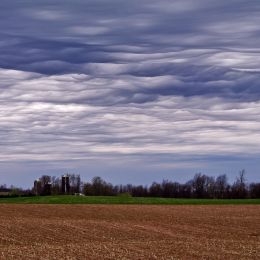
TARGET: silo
(65,184)
(37,187)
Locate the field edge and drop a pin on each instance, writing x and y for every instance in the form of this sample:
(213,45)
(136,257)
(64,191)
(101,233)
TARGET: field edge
(71,199)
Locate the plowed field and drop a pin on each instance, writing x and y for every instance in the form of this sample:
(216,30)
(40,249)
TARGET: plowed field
(129,232)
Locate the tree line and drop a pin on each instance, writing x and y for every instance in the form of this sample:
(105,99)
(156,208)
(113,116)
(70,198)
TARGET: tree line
(200,186)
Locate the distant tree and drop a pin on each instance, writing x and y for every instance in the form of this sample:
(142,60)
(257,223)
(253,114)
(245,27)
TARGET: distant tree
(128,188)
(3,187)
(186,190)
(56,185)
(75,183)
(221,185)
(203,186)
(88,189)
(46,184)
(100,187)
(139,191)
(167,189)
(97,186)
(155,190)
(199,182)
(116,189)
(239,189)
(209,187)
(254,190)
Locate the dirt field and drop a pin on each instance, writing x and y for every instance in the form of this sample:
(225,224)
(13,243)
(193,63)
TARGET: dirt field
(129,232)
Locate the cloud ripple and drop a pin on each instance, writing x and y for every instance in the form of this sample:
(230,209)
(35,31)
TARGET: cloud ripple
(98,80)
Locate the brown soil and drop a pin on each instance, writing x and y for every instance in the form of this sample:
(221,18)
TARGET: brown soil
(129,232)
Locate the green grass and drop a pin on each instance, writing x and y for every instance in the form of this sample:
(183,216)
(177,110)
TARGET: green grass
(70,199)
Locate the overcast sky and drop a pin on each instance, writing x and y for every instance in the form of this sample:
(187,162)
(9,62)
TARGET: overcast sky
(132,91)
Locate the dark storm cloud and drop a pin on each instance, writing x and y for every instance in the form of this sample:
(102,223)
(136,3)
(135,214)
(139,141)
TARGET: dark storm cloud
(90,79)
(210,48)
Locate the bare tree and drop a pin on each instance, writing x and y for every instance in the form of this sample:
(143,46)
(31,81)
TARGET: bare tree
(221,185)
(239,189)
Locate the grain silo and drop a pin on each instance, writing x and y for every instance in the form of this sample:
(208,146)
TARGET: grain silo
(37,187)
(65,184)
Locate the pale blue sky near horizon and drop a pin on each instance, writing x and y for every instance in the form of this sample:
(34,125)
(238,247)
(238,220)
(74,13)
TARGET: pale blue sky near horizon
(132,91)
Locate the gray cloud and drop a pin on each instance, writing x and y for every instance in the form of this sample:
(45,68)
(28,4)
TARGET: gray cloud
(77,115)
(138,80)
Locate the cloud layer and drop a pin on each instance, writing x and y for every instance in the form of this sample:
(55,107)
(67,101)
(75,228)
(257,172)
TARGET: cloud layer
(153,81)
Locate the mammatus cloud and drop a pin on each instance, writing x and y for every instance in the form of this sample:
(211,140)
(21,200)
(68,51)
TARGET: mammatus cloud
(149,81)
